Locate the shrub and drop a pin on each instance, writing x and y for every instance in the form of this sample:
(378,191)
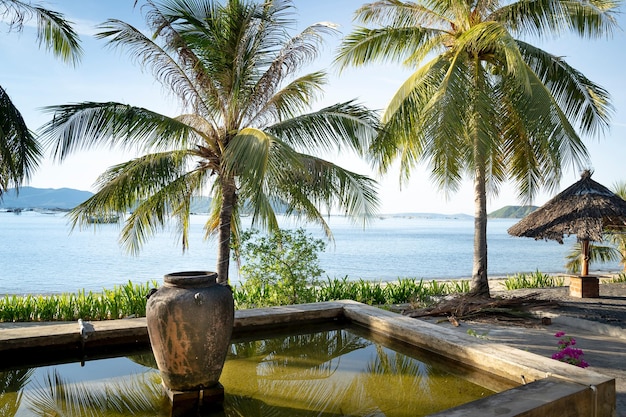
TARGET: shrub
(282,267)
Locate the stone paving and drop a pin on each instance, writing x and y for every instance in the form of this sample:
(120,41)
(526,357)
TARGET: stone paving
(597,324)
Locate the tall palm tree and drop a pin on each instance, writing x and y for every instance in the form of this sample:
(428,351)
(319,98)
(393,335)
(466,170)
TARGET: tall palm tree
(482,102)
(19,150)
(243,134)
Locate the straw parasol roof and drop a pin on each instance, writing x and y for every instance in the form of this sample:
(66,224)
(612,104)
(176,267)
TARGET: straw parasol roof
(584,209)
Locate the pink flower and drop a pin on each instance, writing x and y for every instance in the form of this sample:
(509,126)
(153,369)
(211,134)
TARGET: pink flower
(568,354)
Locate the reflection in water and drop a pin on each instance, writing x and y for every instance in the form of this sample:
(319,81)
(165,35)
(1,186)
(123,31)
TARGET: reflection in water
(138,395)
(338,373)
(11,384)
(329,373)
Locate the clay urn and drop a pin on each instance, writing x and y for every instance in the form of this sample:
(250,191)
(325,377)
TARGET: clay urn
(190,322)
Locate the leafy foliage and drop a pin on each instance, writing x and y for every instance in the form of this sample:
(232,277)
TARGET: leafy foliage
(286,260)
(535,280)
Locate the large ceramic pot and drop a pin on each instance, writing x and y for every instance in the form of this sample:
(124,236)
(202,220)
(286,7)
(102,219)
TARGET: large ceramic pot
(190,322)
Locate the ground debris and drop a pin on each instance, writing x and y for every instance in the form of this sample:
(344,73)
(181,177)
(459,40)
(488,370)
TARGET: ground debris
(466,307)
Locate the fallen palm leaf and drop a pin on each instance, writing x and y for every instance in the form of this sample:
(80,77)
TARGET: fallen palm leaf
(464,307)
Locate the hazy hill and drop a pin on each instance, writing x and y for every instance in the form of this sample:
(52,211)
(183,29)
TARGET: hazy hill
(66,199)
(512,212)
(43,198)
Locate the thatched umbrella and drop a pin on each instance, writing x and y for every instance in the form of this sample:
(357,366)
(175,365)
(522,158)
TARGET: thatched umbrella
(584,209)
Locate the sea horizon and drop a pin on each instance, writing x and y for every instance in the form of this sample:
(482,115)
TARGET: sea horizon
(43,255)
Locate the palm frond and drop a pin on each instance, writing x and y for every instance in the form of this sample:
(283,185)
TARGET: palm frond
(138,395)
(297,52)
(20,151)
(141,186)
(584,103)
(388,44)
(347,124)
(165,68)
(491,42)
(326,185)
(290,101)
(54,32)
(151,215)
(86,125)
(261,162)
(555,141)
(404,14)
(597,253)
(588,19)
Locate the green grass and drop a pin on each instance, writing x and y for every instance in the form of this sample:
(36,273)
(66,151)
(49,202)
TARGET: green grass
(534,280)
(404,290)
(127,300)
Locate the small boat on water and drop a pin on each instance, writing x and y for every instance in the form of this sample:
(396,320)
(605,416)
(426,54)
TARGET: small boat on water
(106,219)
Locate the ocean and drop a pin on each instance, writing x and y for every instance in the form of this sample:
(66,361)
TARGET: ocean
(40,253)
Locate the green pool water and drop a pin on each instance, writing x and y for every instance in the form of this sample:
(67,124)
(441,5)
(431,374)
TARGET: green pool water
(338,372)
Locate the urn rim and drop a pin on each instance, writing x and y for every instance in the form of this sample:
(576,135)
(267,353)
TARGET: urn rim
(190,278)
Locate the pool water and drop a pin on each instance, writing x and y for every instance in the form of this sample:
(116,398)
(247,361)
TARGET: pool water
(335,372)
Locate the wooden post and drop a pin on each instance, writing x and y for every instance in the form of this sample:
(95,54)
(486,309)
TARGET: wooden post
(584,268)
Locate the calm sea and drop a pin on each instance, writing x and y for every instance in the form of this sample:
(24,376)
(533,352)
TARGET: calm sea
(39,254)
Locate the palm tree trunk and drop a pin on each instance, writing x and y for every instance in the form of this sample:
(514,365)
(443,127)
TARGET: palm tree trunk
(480,282)
(229,199)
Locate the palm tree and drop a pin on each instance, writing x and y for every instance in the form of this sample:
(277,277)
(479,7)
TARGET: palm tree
(244,132)
(486,104)
(19,150)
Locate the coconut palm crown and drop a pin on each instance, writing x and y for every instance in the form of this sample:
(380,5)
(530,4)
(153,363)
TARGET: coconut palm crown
(481,102)
(19,150)
(247,133)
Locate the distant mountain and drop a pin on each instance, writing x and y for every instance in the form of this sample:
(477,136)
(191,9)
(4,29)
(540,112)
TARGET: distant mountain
(512,212)
(43,198)
(66,199)
(200,204)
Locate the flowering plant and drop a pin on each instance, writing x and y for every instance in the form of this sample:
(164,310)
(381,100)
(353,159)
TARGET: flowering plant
(567,353)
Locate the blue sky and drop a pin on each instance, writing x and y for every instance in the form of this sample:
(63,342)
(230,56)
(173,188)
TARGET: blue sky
(34,79)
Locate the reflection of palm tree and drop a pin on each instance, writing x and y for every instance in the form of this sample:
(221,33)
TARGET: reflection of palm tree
(139,395)
(294,372)
(11,384)
(304,356)
(432,388)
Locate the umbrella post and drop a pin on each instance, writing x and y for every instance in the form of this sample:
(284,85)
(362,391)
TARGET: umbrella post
(584,267)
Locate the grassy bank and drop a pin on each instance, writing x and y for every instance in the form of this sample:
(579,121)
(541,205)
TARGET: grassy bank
(129,300)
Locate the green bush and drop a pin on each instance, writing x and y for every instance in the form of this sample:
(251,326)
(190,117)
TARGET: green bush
(282,267)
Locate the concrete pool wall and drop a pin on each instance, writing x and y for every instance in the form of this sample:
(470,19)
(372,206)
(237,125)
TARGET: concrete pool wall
(546,387)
